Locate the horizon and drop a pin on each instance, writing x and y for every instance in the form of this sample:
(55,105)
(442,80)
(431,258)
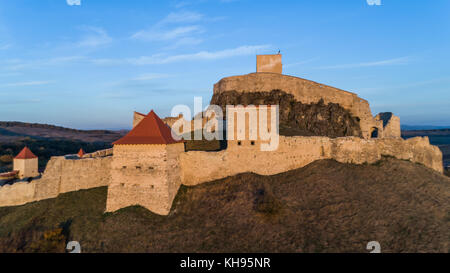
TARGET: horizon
(89,66)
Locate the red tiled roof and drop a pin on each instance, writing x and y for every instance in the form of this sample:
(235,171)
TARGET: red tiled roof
(25,154)
(81,152)
(151,130)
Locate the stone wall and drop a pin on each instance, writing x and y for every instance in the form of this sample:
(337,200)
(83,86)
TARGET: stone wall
(146,175)
(137,117)
(101,153)
(297,152)
(17,194)
(269,63)
(154,173)
(61,175)
(305,91)
(391,125)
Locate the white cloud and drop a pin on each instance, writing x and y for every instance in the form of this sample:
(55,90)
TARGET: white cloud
(32,83)
(300,63)
(396,61)
(199,56)
(178,28)
(167,35)
(150,76)
(73,2)
(5,46)
(30,64)
(183,42)
(95,37)
(182,17)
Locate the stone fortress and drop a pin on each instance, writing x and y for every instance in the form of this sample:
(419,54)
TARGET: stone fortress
(147,166)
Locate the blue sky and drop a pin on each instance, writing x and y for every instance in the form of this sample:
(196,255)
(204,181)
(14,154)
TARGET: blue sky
(90,65)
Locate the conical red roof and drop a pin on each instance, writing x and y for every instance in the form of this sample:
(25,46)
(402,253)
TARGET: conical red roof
(81,152)
(151,130)
(25,154)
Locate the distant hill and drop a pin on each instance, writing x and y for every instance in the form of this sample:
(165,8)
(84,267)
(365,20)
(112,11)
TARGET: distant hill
(11,131)
(324,207)
(423,127)
(49,140)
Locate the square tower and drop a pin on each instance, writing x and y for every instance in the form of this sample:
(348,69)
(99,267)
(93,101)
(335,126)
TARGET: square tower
(145,168)
(269,63)
(26,163)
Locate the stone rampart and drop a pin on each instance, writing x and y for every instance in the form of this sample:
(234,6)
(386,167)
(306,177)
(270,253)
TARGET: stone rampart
(61,175)
(297,152)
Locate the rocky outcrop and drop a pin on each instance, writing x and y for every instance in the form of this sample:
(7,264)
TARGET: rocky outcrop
(304,91)
(297,118)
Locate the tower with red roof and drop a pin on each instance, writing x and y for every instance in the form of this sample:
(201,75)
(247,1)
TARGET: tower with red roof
(81,153)
(26,163)
(145,168)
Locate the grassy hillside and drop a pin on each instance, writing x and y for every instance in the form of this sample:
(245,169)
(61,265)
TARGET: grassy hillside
(323,207)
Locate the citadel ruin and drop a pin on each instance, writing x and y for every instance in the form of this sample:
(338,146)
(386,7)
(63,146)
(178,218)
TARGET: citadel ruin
(147,166)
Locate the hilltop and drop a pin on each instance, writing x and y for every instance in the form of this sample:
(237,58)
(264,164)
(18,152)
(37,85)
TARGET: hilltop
(13,131)
(324,207)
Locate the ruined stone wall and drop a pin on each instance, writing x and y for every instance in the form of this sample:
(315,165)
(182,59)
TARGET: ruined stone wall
(297,152)
(137,117)
(146,175)
(417,149)
(391,125)
(17,194)
(101,153)
(61,175)
(150,175)
(307,92)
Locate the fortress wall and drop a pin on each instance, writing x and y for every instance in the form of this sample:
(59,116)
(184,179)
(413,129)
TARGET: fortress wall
(17,194)
(417,149)
(101,153)
(354,150)
(146,175)
(85,174)
(292,153)
(297,152)
(154,173)
(61,175)
(305,91)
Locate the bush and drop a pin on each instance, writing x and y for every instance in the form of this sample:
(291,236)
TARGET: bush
(265,201)
(53,241)
(6,159)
